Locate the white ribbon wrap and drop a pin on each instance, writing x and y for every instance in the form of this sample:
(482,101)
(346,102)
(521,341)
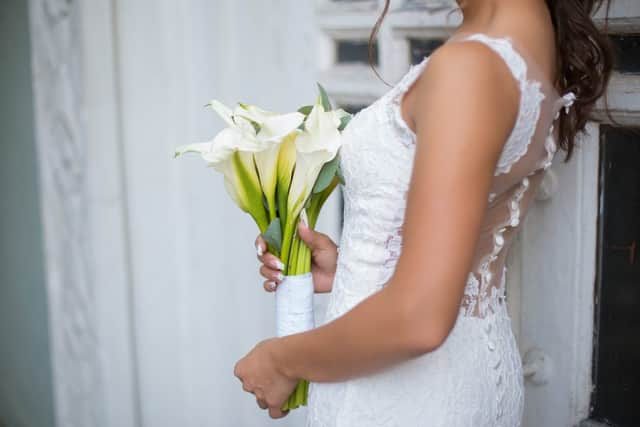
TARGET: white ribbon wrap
(294,304)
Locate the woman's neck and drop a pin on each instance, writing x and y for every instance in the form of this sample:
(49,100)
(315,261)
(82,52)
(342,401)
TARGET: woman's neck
(481,15)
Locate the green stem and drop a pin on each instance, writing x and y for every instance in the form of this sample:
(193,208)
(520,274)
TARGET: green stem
(307,259)
(261,219)
(287,241)
(298,397)
(272,209)
(303,263)
(293,259)
(298,261)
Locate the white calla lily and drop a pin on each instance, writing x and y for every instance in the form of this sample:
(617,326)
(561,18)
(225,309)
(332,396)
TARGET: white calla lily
(232,155)
(253,135)
(315,146)
(273,128)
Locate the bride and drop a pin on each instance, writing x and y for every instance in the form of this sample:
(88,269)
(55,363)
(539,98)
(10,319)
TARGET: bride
(439,174)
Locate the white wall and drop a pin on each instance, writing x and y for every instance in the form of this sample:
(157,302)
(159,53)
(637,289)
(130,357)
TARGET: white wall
(198,299)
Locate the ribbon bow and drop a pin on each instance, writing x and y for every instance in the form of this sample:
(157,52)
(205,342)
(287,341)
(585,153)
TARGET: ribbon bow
(567,101)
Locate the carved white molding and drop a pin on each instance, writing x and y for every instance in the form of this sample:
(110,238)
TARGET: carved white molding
(61,148)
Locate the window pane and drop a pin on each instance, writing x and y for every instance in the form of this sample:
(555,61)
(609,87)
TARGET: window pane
(617,352)
(356,51)
(627,51)
(419,48)
(352,108)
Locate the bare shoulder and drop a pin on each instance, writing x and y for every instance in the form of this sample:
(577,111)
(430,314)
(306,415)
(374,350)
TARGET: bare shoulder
(469,67)
(466,83)
(469,53)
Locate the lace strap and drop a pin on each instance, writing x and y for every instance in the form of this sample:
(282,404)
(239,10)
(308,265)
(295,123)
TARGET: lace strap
(411,76)
(397,94)
(503,46)
(529,107)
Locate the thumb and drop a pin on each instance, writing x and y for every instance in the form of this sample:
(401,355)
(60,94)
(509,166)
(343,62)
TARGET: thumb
(307,235)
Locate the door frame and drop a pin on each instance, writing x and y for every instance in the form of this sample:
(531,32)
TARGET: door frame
(84,213)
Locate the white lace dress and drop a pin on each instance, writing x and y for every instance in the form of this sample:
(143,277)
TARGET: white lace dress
(475,377)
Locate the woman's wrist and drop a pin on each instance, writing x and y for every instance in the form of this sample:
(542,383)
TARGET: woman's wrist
(280,357)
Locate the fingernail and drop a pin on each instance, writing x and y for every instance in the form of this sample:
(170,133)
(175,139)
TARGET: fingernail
(278,264)
(259,249)
(279,277)
(303,217)
(272,285)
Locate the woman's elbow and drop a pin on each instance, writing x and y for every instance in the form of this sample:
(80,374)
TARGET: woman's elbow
(433,337)
(425,336)
(427,325)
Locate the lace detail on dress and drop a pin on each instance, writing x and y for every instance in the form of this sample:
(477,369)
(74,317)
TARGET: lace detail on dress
(530,99)
(393,242)
(566,101)
(487,299)
(396,95)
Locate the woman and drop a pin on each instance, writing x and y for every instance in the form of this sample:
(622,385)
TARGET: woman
(439,174)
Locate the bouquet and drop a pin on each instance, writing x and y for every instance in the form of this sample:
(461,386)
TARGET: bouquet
(276,168)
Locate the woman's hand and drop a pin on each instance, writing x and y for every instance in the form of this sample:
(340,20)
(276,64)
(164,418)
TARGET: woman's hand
(324,255)
(260,375)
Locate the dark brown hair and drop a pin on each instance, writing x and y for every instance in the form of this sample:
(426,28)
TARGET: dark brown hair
(584,61)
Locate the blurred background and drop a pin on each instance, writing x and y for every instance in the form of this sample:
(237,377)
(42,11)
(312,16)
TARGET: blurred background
(129,285)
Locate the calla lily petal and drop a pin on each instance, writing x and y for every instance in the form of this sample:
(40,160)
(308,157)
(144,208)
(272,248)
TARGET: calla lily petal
(223,111)
(273,128)
(198,147)
(316,145)
(277,127)
(226,142)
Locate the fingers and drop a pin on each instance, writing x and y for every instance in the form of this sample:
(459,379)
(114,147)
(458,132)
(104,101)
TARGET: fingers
(271,275)
(261,403)
(277,412)
(272,266)
(266,257)
(269,285)
(274,411)
(271,261)
(261,245)
(307,235)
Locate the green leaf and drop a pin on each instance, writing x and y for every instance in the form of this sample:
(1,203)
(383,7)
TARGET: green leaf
(273,234)
(344,121)
(324,98)
(326,175)
(306,110)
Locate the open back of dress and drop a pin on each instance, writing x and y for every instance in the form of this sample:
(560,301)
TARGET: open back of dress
(526,155)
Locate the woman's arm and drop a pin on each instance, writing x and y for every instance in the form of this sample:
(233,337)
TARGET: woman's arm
(465,106)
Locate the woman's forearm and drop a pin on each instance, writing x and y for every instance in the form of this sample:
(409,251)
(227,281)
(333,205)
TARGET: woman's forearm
(377,332)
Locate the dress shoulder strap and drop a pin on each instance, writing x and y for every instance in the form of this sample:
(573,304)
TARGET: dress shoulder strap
(503,46)
(531,97)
